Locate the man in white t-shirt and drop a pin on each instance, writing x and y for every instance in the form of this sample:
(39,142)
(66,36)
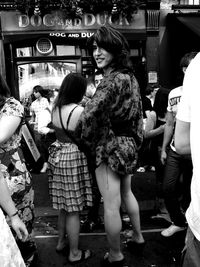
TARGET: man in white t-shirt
(186,140)
(36,108)
(176,166)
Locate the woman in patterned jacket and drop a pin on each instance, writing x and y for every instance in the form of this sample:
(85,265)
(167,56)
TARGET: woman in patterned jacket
(13,167)
(111,127)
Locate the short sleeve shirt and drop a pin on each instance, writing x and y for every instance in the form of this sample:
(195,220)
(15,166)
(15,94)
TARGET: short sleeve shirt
(173,102)
(189,110)
(37,106)
(12,107)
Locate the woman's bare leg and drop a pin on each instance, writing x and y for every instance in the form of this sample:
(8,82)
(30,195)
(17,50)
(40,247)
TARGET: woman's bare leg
(132,208)
(109,186)
(73,230)
(61,230)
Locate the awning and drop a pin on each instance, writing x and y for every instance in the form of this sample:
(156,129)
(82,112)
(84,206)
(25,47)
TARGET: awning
(193,23)
(189,20)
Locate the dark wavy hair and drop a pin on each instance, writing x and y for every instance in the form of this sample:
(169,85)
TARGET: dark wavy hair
(113,42)
(4,91)
(161,102)
(72,90)
(186,59)
(38,89)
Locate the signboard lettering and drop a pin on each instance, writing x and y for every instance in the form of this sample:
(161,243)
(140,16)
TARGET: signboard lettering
(16,21)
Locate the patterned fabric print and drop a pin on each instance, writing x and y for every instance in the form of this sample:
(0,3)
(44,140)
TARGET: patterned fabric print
(117,99)
(12,165)
(14,108)
(69,179)
(10,255)
(19,183)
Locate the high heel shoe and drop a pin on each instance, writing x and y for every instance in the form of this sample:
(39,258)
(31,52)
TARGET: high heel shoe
(135,247)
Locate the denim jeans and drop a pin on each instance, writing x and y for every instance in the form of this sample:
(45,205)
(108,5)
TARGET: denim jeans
(191,253)
(176,186)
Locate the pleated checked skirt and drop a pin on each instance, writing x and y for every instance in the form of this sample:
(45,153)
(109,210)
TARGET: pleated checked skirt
(70,183)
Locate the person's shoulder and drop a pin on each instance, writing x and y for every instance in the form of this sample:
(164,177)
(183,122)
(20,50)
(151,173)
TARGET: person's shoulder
(34,102)
(14,106)
(45,100)
(175,91)
(11,101)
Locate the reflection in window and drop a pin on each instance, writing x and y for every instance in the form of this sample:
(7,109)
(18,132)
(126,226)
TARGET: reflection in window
(24,52)
(21,73)
(47,74)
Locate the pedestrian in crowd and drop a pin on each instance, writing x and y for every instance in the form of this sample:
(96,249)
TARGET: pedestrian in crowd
(144,162)
(13,166)
(69,178)
(98,77)
(154,132)
(187,141)
(90,91)
(111,126)
(9,253)
(44,128)
(178,168)
(93,219)
(147,104)
(38,105)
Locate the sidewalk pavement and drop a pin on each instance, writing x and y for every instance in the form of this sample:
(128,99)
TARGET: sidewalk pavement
(159,251)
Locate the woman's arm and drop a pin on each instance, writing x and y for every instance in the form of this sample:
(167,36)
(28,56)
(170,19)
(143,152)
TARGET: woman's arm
(150,130)
(8,126)
(8,206)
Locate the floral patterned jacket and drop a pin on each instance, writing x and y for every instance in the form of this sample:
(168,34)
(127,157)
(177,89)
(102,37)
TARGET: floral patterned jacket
(111,124)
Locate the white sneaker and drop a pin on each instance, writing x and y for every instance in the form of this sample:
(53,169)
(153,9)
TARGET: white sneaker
(141,169)
(44,168)
(172,230)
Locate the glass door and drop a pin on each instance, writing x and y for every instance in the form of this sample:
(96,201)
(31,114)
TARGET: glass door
(49,75)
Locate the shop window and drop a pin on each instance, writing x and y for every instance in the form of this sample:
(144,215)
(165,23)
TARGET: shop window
(24,52)
(134,52)
(65,50)
(21,73)
(47,74)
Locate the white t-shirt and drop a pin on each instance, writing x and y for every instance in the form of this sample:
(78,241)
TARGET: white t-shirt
(173,102)
(189,111)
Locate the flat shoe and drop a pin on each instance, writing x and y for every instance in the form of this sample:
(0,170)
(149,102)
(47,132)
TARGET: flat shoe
(171,230)
(133,246)
(85,255)
(106,263)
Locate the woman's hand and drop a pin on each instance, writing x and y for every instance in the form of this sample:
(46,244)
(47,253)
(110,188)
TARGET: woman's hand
(163,157)
(19,227)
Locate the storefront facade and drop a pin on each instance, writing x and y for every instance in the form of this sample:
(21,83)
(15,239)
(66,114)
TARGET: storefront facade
(43,48)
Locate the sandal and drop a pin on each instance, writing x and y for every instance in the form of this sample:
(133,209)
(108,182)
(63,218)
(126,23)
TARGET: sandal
(85,255)
(133,246)
(106,263)
(62,247)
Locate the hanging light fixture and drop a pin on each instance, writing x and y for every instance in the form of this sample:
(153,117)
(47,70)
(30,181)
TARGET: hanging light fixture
(114,9)
(37,11)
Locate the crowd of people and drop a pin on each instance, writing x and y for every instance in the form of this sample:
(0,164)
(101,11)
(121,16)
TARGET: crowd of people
(93,135)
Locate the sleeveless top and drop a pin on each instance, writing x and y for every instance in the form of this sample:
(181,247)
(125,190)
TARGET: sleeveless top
(60,133)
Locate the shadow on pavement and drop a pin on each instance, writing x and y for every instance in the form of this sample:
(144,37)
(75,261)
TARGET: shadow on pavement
(158,251)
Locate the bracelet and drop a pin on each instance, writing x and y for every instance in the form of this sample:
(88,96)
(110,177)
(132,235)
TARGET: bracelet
(14,214)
